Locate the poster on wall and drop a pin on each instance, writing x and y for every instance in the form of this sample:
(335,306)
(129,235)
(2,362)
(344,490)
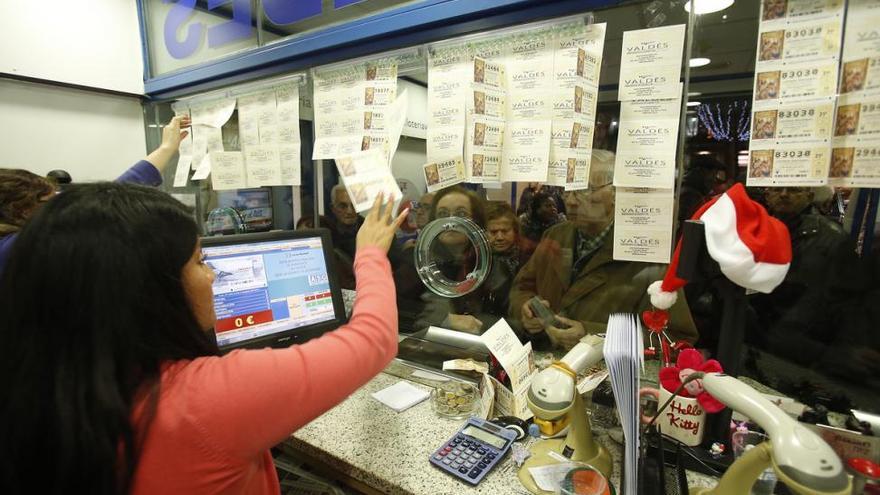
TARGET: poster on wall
(646,143)
(526,153)
(444,173)
(212,114)
(577,169)
(184,161)
(808,122)
(262,165)
(365,175)
(650,63)
(525,84)
(345,100)
(448,74)
(855,157)
(780,12)
(854,165)
(643,224)
(227,171)
(797,65)
(788,165)
(484,140)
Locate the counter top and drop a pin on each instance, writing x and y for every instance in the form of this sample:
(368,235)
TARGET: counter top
(387,451)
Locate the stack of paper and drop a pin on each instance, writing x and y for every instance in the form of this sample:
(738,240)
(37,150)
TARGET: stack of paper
(401,396)
(624,356)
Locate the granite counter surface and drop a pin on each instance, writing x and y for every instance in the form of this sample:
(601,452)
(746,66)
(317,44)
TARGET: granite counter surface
(388,451)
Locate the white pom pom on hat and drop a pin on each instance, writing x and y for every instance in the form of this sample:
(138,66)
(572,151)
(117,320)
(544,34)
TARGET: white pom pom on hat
(752,248)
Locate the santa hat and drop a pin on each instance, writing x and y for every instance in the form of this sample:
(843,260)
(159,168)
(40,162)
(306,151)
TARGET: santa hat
(752,248)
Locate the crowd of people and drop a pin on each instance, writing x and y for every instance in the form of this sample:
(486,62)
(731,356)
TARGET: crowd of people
(108,310)
(565,259)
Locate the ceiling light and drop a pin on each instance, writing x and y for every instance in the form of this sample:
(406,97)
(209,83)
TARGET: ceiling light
(707,6)
(694,103)
(694,93)
(699,62)
(704,152)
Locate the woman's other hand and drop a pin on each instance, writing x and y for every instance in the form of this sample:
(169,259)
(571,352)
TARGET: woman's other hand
(378,228)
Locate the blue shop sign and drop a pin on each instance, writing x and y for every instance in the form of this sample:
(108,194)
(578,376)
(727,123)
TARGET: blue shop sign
(239,27)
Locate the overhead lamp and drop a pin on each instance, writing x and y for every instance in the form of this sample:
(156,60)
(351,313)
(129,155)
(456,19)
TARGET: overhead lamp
(707,6)
(698,62)
(704,152)
(694,93)
(694,103)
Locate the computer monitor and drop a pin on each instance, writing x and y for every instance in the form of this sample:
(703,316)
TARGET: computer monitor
(273,289)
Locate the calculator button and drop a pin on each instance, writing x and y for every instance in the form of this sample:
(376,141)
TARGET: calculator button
(447,462)
(481,451)
(438,457)
(463,470)
(468,464)
(475,472)
(472,448)
(482,465)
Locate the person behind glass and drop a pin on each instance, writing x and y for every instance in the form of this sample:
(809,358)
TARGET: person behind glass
(573,273)
(118,386)
(705,178)
(509,253)
(344,220)
(22,193)
(532,188)
(455,258)
(422,209)
(542,215)
(824,279)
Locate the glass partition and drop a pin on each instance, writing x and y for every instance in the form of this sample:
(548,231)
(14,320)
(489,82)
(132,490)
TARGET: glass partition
(589,232)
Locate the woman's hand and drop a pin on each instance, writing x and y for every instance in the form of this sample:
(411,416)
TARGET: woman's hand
(566,337)
(172,134)
(465,323)
(378,229)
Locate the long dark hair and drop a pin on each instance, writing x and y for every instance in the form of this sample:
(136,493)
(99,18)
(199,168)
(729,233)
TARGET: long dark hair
(92,304)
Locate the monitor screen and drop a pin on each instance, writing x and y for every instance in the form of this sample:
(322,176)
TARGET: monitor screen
(273,288)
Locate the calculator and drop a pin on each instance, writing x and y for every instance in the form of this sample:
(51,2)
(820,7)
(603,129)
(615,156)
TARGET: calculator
(472,452)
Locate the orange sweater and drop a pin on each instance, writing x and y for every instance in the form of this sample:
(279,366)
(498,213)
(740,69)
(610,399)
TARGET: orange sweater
(217,417)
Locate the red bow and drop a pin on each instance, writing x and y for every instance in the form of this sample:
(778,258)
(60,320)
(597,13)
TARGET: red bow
(690,361)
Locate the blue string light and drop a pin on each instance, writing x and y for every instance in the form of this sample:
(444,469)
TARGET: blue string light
(732,125)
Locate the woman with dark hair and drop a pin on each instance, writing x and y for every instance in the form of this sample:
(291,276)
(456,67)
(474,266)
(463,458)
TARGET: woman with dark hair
(114,383)
(22,193)
(541,215)
(455,258)
(456,201)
